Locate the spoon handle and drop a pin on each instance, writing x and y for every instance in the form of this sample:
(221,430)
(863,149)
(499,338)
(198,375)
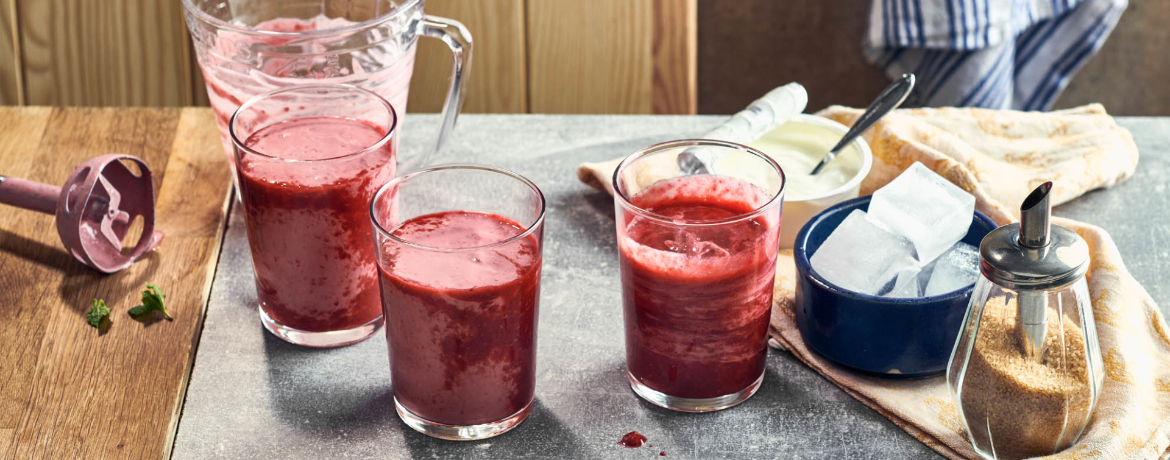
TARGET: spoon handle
(888,100)
(767,112)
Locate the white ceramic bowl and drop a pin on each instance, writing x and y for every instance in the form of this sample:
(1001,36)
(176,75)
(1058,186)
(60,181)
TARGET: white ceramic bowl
(820,133)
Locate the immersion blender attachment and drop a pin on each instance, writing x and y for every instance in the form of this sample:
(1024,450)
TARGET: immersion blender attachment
(95,208)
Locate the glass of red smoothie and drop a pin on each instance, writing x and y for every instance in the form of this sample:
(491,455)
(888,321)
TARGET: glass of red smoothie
(698,261)
(459,255)
(310,158)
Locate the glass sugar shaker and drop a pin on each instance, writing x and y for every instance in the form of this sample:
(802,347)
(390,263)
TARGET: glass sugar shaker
(1026,369)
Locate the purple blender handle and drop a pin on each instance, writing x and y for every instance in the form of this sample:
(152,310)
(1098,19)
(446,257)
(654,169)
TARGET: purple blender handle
(95,209)
(24,193)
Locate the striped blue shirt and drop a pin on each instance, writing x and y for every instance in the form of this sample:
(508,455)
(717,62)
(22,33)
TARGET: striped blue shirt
(999,54)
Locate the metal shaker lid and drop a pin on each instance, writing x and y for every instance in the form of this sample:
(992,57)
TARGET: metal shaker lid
(1033,254)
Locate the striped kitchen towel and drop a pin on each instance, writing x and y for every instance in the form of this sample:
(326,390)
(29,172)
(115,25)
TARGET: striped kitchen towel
(999,54)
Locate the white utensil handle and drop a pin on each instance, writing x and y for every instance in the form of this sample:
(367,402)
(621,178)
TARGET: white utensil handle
(774,109)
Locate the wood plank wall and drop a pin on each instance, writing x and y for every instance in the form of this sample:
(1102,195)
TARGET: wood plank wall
(549,56)
(499,64)
(534,55)
(11,81)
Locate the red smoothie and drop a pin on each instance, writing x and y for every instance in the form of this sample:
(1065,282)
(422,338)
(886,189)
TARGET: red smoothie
(697,297)
(632,440)
(461,323)
(308,221)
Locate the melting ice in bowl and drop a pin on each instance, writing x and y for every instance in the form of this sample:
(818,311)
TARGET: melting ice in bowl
(863,257)
(925,208)
(908,244)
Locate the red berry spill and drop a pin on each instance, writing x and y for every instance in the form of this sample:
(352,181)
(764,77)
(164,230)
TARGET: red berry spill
(632,439)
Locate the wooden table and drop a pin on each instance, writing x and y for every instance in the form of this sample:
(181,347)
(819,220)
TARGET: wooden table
(66,389)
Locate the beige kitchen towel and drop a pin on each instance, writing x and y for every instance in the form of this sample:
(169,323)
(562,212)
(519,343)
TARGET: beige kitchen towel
(1000,156)
(1132,420)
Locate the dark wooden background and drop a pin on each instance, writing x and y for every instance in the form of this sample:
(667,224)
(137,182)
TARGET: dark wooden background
(747,47)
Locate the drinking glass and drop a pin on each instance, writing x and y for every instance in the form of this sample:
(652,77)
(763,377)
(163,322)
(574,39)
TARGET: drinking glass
(248,47)
(698,262)
(310,158)
(459,254)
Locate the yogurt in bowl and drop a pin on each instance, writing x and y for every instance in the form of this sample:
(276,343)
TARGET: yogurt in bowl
(798,146)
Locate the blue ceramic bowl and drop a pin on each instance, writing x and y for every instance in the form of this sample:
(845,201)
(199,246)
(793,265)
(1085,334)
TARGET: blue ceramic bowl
(903,338)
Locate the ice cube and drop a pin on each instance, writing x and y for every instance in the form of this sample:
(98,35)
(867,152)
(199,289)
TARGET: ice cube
(906,284)
(924,275)
(862,257)
(955,269)
(928,210)
(688,243)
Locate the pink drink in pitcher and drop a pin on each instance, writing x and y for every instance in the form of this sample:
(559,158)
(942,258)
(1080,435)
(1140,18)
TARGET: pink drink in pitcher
(228,87)
(249,47)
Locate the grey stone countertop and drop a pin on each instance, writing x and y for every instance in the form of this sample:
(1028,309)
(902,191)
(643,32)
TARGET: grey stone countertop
(252,395)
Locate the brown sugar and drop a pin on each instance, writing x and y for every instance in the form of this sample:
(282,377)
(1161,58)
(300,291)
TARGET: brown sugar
(1022,406)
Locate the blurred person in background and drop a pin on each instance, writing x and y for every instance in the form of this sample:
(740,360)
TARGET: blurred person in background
(997,54)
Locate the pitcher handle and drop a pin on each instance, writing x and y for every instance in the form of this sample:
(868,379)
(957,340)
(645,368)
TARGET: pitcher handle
(458,38)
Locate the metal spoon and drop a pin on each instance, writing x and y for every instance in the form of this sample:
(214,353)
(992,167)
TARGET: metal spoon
(888,100)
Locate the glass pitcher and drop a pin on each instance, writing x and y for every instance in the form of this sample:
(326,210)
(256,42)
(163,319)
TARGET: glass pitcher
(249,47)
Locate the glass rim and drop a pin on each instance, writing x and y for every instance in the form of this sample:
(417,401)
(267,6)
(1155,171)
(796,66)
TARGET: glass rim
(207,18)
(625,202)
(381,229)
(239,144)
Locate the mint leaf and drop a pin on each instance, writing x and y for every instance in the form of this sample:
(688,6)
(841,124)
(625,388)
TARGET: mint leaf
(98,312)
(152,299)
